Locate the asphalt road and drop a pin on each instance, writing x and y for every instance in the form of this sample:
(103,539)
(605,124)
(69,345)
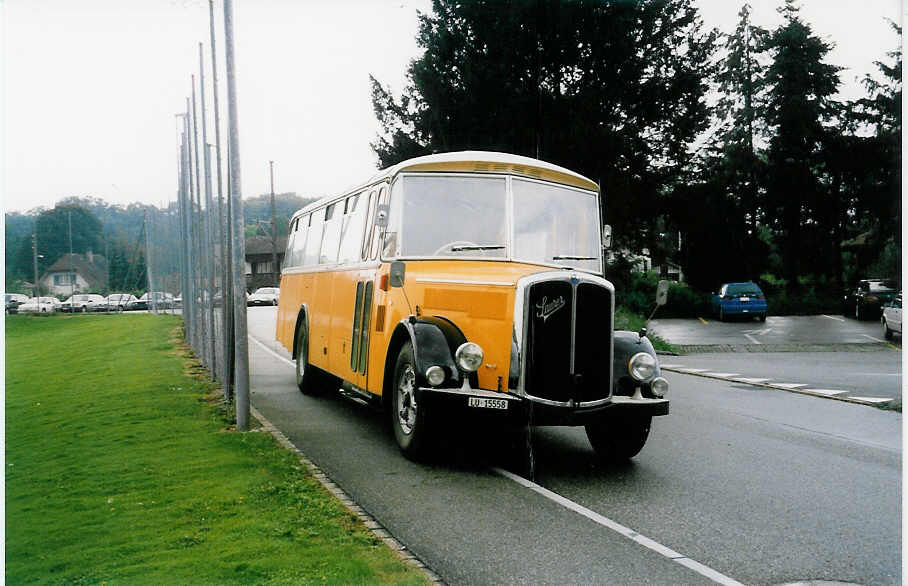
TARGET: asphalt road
(756,485)
(783,330)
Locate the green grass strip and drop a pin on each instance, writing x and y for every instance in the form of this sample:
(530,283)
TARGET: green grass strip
(122,469)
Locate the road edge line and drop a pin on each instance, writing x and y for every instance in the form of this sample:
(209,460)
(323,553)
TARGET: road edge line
(627,532)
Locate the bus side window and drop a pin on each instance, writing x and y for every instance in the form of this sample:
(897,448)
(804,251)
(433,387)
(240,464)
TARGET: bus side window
(314,237)
(370,225)
(352,229)
(379,233)
(288,253)
(299,241)
(331,236)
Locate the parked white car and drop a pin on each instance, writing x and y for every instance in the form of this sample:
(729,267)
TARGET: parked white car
(264,296)
(85,302)
(40,305)
(119,301)
(14,300)
(892,317)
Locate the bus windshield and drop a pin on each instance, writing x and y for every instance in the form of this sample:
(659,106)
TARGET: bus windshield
(469,217)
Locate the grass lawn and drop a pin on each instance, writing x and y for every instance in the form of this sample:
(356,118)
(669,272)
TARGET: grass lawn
(122,469)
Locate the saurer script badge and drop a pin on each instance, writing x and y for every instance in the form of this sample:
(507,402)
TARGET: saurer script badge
(546,308)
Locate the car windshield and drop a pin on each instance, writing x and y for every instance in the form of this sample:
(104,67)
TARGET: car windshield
(471,217)
(744,289)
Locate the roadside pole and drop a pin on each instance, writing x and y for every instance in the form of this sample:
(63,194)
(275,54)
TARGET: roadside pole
(239,246)
(209,240)
(274,267)
(223,228)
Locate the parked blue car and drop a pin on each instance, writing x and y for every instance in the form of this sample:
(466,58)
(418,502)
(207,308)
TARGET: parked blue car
(746,299)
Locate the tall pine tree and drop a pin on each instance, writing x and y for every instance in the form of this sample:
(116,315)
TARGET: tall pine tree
(614,90)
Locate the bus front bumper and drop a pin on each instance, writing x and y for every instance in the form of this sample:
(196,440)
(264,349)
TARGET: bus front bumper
(511,408)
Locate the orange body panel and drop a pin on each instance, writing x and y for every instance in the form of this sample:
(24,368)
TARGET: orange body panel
(477,296)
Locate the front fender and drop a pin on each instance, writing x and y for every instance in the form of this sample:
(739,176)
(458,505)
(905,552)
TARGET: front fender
(626,345)
(434,342)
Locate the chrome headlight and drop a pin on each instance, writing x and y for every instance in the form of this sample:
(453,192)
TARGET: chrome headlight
(468,357)
(642,366)
(435,375)
(659,387)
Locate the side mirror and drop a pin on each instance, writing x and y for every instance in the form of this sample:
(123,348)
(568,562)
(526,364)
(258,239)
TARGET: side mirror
(606,236)
(662,293)
(396,277)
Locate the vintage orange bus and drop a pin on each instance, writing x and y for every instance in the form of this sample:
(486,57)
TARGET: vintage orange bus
(467,285)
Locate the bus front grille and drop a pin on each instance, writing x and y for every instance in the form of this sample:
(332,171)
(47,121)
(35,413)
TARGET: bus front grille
(568,329)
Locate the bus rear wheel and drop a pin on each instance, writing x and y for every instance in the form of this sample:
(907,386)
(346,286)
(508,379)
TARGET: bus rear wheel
(305,374)
(408,417)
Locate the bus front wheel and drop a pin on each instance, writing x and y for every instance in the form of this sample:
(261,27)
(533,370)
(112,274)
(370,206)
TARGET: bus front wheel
(617,440)
(408,417)
(305,375)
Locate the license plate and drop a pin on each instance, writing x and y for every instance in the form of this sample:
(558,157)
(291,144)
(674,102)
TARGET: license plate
(745,299)
(484,403)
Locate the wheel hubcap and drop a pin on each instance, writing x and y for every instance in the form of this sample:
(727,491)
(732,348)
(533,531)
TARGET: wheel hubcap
(406,401)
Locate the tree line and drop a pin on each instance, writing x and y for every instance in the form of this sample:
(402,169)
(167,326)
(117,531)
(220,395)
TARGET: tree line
(118,233)
(724,151)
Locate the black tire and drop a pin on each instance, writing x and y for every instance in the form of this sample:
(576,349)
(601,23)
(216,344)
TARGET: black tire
(306,379)
(617,440)
(408,418)
(721,314)
(858,312)
(762,317)
(887,333)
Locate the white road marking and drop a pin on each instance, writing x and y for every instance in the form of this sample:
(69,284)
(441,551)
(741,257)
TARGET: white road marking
(272,352)
(790,385)
(872,400)
(827,392)
(671,365)
(692,370)
(753,381)
(723,374)
(874,339)
(655,546)
(752,339)
(833,317)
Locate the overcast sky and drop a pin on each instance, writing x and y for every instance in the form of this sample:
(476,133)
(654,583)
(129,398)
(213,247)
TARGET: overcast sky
(90,88)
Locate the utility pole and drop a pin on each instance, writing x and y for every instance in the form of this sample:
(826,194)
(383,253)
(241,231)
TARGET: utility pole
(72,274)
(223,227)
(35,257)
(274,268)
(241,344)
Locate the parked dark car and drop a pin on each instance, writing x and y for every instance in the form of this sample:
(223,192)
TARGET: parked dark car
(866,299)
(162,300)
(741,299)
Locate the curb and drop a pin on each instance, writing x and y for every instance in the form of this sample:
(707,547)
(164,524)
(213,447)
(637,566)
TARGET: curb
(368,520)
(780,387)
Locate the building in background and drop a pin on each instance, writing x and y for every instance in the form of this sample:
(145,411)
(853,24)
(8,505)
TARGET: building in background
(260,271)
(85,273)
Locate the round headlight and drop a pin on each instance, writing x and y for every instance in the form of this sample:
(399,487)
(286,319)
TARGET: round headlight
(642,366)
(435,375)
(659,387)
(468,357)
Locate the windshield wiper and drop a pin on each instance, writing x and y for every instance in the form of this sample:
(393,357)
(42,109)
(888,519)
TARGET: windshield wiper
(473,247)
(566,257)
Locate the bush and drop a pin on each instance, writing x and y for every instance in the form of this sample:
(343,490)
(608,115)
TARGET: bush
(636,293)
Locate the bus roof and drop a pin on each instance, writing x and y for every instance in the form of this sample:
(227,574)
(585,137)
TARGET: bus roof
(472,162)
